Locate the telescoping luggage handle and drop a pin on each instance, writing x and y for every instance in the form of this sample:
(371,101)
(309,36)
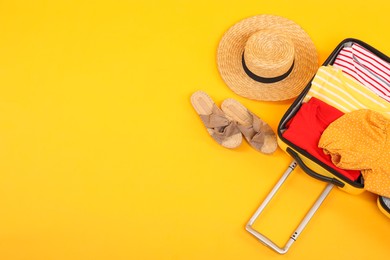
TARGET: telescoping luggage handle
(266,241)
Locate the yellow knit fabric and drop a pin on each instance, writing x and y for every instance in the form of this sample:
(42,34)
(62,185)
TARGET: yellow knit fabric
(360,140)
(341,91)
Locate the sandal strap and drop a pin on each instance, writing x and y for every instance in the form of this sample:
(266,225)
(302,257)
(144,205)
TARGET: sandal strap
(218,125)
(216,119)
(256,132)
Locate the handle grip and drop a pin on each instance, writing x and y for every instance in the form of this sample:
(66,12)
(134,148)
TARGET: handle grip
(312,173)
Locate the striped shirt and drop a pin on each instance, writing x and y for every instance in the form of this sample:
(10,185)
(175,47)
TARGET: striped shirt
(365,67)
(332,86)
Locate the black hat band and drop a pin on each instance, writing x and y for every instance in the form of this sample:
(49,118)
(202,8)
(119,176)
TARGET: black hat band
(263,79)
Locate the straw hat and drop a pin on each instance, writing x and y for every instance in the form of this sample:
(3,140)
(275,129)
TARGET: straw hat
(267,57)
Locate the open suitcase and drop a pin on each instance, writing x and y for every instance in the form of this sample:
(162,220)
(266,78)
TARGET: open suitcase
(311,165)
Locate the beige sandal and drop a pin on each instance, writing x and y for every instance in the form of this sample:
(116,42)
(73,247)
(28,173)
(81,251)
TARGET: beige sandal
(223,130)
(257,132)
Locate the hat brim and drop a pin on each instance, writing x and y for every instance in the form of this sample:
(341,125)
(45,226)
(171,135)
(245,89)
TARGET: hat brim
(229,59)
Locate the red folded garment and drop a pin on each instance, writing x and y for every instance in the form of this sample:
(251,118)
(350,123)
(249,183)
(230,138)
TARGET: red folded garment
(307,126)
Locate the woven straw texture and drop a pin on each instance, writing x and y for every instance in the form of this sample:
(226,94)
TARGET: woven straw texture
(251,125)
(203,105)
(231,48)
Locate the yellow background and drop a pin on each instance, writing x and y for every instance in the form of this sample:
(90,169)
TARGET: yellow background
(103,157)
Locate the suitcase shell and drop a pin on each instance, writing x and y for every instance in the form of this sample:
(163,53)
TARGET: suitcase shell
(309,164)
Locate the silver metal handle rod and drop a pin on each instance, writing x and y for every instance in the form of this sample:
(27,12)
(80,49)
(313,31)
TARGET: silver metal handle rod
(285,175)
(312,211)
(266,241)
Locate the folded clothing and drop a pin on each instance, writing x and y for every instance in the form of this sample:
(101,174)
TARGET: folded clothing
(306,128)
(337,89)
(365,67)
(360,140)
